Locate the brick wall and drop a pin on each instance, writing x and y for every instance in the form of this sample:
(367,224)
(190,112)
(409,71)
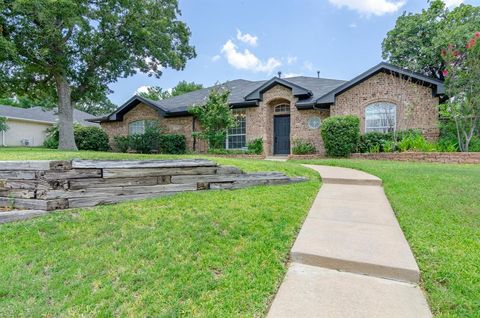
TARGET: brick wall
(416,107)
(173,125)
(442,157)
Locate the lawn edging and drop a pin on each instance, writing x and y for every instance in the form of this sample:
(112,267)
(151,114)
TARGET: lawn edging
(432,157)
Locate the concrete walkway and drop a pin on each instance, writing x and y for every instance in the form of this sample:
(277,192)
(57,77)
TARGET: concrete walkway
(350,258)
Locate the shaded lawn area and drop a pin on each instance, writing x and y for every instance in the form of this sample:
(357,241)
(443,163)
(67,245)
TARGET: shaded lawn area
(438,207)
(199,254)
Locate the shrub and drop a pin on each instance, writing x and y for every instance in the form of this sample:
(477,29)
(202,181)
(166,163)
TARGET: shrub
(255,146)
(373,140)
(121,143)
(340,135)
(173,144)
(91,138)
(86,138)
(226,152)
(303,147)
(389,146)
(415,142)
(152,140)
(374,149)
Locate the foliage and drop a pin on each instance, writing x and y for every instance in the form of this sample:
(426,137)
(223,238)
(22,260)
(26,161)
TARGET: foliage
(215,117)
(303,147)
(372,140)
(183,87)
(437,208)
(415,142)
(340,135)
(26,102)
(153,140)
(416,40)
(91,138)
(73,49)
(86,137)
(96,108)
(220,151)
(173,144)
(462,86)
(121,143)
(3,124)
(389,146)
(255,146)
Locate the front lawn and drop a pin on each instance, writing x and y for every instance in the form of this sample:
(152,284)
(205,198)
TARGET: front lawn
(438,207)
(198,254)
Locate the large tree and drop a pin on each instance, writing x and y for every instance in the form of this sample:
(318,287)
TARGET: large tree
(416,41)
(73,49)
(463,88)
(183,87)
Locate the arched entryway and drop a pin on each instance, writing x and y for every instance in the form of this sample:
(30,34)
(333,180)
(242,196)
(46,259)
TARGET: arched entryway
(281,128)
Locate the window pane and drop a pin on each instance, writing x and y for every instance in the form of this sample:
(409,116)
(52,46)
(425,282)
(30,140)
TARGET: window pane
(236,138)
(284,108)
(380,117)
(136,127)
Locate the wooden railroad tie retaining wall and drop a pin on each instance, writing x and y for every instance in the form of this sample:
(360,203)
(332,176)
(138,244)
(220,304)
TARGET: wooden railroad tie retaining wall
(51,185)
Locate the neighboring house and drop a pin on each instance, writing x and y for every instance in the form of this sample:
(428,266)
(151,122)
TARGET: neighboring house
(27,126)
(281,110)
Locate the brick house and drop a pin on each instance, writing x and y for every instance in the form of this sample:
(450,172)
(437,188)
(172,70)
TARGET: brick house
(282,110)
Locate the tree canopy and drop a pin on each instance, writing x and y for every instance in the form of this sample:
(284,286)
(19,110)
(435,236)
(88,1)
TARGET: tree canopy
(157,93)
(462,75)
(215,117)
(416,41)
(72,49)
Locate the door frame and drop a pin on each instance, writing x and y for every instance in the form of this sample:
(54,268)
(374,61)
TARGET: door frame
(289,134)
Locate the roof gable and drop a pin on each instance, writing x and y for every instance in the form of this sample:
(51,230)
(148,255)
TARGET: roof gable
(257,94)
(437,86)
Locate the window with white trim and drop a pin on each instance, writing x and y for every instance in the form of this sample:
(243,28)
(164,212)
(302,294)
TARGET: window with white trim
(138,127)
(282,108)
(380,117)
(236,136)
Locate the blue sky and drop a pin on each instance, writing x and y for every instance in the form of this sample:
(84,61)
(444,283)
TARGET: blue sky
(254,39)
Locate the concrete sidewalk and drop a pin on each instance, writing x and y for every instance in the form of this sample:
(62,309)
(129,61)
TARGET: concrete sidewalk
(350,258)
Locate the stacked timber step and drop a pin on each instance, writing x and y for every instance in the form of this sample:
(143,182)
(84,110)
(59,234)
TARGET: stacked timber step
(51,185)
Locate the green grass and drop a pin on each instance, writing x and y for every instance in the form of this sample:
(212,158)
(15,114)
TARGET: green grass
(438,207)
(198,254)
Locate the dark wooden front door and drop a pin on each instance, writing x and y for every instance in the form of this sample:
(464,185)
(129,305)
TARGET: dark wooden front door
(281,135)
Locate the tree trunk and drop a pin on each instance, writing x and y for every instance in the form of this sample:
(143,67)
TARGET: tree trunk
(65,115)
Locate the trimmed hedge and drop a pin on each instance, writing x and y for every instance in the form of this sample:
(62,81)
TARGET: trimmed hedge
(152,141)
(340,135)
(86,137)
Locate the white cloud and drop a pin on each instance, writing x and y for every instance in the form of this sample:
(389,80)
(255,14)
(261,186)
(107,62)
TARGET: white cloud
(291,59)
(286,75)
(452,3)
(142,89)
(368,7)
(247,38)
(215,58)
(308,65)
(352,25)
(246,60)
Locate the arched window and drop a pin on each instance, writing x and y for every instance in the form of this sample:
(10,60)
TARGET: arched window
(282,108)
(380,117)
(138,127)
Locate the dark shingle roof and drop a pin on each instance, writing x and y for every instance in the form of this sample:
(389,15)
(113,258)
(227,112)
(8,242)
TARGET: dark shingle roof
(311,91)
(39,114)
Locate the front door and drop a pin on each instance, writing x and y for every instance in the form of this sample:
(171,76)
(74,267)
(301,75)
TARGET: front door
(281,135)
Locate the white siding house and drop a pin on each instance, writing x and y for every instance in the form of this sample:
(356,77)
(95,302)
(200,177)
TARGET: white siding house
(27,126)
